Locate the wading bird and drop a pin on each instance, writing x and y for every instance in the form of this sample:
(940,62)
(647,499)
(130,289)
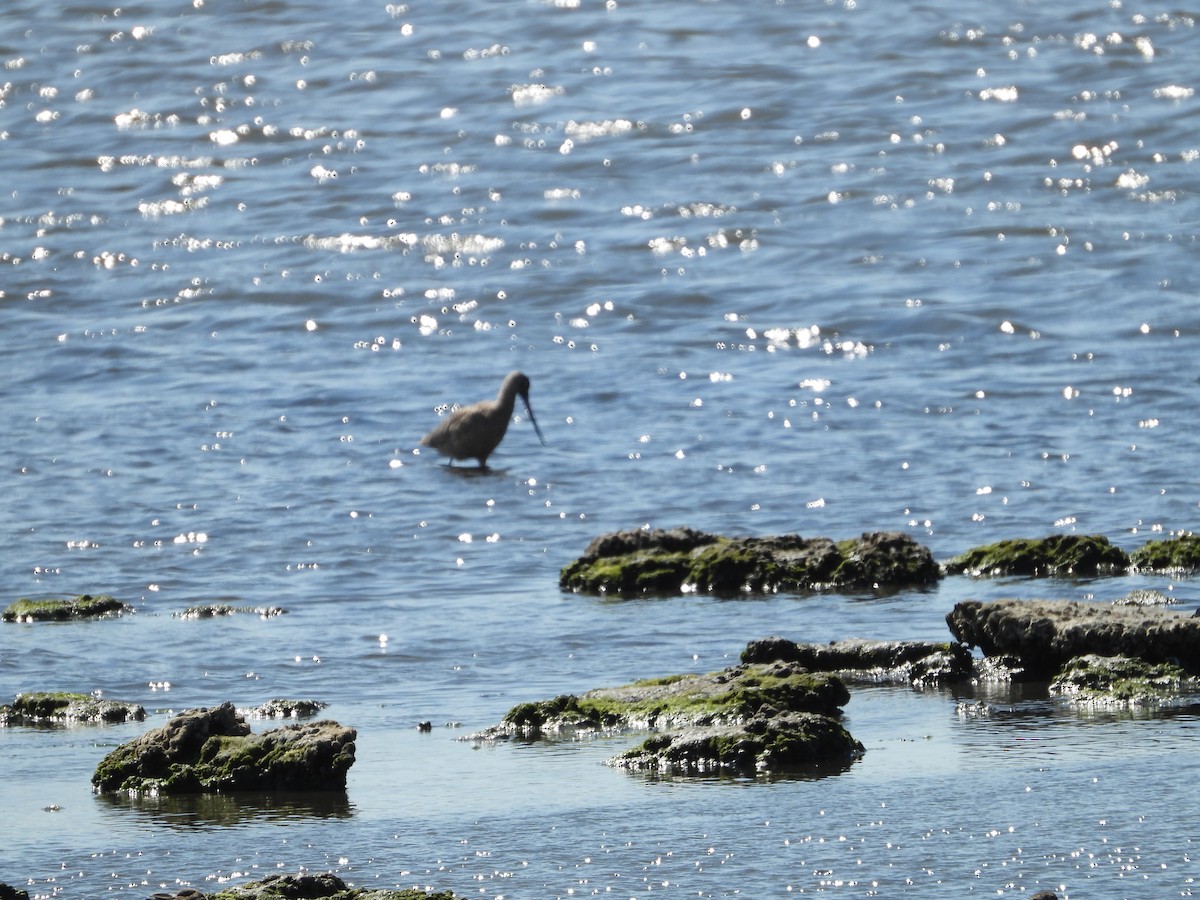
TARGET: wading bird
(474,431)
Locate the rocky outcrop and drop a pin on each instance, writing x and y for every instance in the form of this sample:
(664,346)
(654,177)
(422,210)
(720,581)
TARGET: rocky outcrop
(1172,555)
(919,663)
(1118,681)
(213,750)
(745,719)
(60,708)
(1062,555)
(1044,635)
(8,892)
(325,886)
(84,606)
(681,560)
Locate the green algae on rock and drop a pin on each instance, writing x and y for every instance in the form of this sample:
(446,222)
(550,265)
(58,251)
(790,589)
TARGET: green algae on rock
(1173,555)
(1059,555)
(213,750)
(85,606)
(681,560)
(64,708)
(1119,681)
(214,610)
(323,886)
(745,719)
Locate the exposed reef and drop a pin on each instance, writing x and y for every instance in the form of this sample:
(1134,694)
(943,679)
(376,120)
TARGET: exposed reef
(62,708)
(1044,635)
(215,610)
(1063,555)
(1115,681)
(919,663)
(324,886)
(213,750)
(85,606)
(681,560)
(743,720)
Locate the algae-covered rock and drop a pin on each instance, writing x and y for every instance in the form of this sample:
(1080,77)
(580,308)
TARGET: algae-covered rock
(763,744)
(913,662)
(1173,555)
(1045,634)
(1109,681)
(629,563)
(745,719)
(324,886)
(84,606)
(1062,555)
(60,707)
(213,750)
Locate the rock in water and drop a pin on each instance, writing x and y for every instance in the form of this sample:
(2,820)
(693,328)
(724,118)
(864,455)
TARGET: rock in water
(213,750)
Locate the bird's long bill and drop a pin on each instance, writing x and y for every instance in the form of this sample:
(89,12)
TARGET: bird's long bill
(529,409)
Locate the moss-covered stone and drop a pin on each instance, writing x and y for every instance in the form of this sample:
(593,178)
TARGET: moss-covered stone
(324,886)
(747,718)
(764,744)
(1178,554)
(1061,555)
(213,750)
(631,563)
(61,707)
(84,606)
(1121,681)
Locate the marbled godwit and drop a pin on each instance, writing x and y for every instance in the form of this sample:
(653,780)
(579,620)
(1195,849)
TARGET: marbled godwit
(474,431)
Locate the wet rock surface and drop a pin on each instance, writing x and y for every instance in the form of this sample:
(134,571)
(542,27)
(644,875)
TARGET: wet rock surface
(85,606)
(1063,555)
(746,719)
(213,750)
(918,663)
(1117,681)
(61,708)
(680,560)
(324,886)
(1044,635)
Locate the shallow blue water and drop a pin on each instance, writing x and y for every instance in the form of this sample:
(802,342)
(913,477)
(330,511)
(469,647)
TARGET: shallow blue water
(771,267)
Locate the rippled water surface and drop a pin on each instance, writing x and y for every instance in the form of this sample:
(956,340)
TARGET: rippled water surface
(771,267)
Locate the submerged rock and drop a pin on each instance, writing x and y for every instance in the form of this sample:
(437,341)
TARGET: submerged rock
(325,886)
(213,610)
(919,663)
(213,750)
(1109,681)
(1046,634)
(680,560)
(1062,555)
(85,606)
(745,719)
(59,707)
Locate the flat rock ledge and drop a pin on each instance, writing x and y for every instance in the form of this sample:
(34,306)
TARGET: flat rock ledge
(213,750)
(1107,682)
(744,720)
(62,708)
(85,606)
(683,560)
(1045,635)
(323,886)
(918,663)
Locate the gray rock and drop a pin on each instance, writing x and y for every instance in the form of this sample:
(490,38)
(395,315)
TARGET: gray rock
(1045,634)
(919,663)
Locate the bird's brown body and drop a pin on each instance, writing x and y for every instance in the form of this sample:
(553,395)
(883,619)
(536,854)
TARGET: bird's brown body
(473,432)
